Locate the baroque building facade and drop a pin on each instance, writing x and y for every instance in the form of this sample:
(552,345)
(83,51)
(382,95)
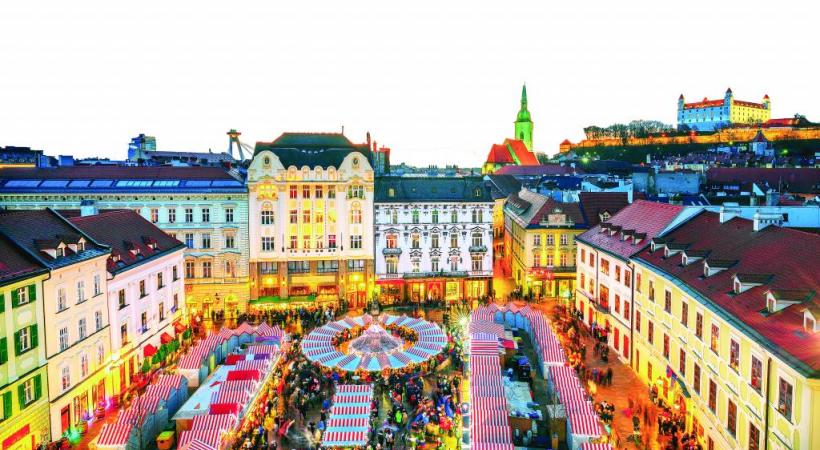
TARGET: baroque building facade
(311,220)
(433,239)
(203,207)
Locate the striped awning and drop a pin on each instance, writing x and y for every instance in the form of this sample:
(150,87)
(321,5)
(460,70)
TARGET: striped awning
(174,381)
(350,423)
(208,437)
(585,424)
(490,446)
(344,438)
(221,422)
(261,348)
(345,388)
(591,446)
(492,434)
(343,399)
(261,365)
(245,328)
(116,433)
(197,444)
(238,385)
(230,397)
(341,410)
(159,391)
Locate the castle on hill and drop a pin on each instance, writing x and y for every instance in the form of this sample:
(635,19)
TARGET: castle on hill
(711,115)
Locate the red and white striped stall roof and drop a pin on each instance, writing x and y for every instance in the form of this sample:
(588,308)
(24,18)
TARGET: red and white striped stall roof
(345,399)
(345,388)
(585,424)
(226,334)
(115,433)
(261,365)
(169,380)
(351,422)
(490,446)
(160,391)
(591,446)
(209,437)
(196,444)
(491,434)
(245,328)
(260,348)
(344,438)
(230,397)
(214,422)
(486,327)
(341,410)
(238,385)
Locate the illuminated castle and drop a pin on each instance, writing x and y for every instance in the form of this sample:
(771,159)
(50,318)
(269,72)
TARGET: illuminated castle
(710,115)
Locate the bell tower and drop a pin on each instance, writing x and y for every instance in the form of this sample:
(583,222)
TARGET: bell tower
(523,122)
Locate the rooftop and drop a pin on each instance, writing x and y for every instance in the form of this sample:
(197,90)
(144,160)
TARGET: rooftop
(467,189)
(132,239)
(536,171)
(313,149)
(16,263)
(804,180)
(780,259)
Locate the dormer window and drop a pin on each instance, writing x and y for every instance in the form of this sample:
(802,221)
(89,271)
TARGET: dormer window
(81,246)
(60,251)
(809,322)
(742,282)
(737,287)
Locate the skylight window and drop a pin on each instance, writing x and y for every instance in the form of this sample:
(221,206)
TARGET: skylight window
(54,183)
(101,183)
(79,183)
(23,183)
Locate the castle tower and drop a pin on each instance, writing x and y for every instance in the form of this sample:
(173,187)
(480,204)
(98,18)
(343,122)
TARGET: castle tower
(523,123)
(727,99)
(767,103)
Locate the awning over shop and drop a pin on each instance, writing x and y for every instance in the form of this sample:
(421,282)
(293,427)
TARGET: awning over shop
(165,338)
(179,327)
(149,350)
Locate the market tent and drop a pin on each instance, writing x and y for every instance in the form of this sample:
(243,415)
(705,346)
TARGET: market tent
(197,444)
(344,438)
(222,422)
(118,436)
(237,375)
(209,437)
(591,446)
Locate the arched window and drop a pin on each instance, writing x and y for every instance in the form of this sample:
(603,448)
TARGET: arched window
(267,213)
(356,214)
(392,241)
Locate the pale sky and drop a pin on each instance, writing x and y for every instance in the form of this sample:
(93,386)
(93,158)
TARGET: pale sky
(438,82)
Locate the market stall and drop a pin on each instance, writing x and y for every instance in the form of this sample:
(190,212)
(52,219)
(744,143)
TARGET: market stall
(348,422)
(118,436)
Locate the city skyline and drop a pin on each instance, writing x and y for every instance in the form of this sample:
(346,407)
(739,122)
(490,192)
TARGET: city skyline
(85,86)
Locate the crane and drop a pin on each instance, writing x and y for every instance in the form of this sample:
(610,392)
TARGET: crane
(241,148)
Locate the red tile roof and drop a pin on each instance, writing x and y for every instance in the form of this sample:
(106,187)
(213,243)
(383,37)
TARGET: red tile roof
(789,258)
(804,180)
(572,210)
(126,232)
(541,170)
(706,103)
(593,204)
(15,263)
(642,217)
(499,155)
(525,157)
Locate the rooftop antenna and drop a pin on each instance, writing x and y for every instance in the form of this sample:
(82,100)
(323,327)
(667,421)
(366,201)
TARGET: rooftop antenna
(343,130)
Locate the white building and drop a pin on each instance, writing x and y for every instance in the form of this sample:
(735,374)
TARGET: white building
(310,220)
(145,287)
(433,238)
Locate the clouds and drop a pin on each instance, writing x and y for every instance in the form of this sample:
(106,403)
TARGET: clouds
(437,81)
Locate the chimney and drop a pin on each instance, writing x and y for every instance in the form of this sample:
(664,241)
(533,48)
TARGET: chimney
(763,220)
(88,208)
(729,211)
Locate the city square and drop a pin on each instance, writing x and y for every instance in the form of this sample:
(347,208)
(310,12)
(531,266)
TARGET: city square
(378,258)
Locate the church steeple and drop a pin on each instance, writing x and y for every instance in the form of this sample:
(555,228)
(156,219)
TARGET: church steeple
(523,122)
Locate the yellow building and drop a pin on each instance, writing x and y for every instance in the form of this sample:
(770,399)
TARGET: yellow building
(725,330)
(539,238)
(75,312)
(24,421)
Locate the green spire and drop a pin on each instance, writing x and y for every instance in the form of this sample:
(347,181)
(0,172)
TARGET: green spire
(523,122)
(523,113)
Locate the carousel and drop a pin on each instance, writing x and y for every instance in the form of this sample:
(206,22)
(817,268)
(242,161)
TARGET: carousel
(374,343)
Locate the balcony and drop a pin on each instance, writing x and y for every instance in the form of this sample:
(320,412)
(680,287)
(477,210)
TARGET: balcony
(450,274)
(478,249)
(480,273)
(388,276)
(391,251)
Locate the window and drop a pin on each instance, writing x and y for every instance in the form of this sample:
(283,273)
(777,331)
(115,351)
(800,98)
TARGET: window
(651,290)
(684,314)
(434,240)
(298,266)
(65,378)
(97,285)
(667,301)
(267,243)
(478,215)
(478,262)
(454,215)
(731,417)
(62,304)
(626,310)
(784,399)
(714,342)
(415,215)
(331,241)
(175,304)
(666,346)
(267,217)
(206,240)
(682,363)
(712,395)
(434,265)
(415,265)
(206,215)
(230,268)
(734,354)
(392,240)
(650,331)
(591,260)
(355,191)
(754,437)
(190,271)
(306,216)
(189,240)
(31,390)
(81,329)
(144,322)
(604,266)
(617,273)
(294,242)
(454,264)
(100,354)
(356,242)
(617,303)
(563,259)
(230,240)
(83,365)
(142,288)
(24,340)
(306,191)
(638,321)
(394,216)
(331,192)
(98,320)
(392,264)
(756,376)
(536,240)
(627,278)
(159,281)
(154,215)
(699,325)
(189,215)
(293,191)
(80,291)
(229,215)
(172,215)
(356,216)
(63,338)
(453,239)
(649,371)
(564,239)
(477,239)
(435,216)
(696,378)
(327,266)
(320,192)
(206,269)
(582,279)
(583,255)
(294,216)
(414,240)
(550,240)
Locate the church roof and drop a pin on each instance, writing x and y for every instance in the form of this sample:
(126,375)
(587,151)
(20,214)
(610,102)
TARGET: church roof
(523,113)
